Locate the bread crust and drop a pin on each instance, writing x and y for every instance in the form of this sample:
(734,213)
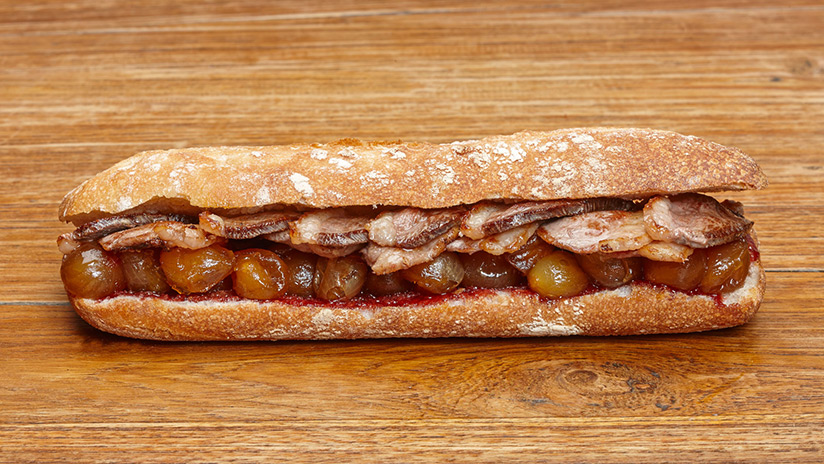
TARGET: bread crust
(636,308)
(569,163)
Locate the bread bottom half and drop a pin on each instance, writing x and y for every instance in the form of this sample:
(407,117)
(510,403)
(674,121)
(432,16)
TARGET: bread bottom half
(636,308)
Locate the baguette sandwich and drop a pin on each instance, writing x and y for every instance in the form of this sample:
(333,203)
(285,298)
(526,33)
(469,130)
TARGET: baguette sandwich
(595,231)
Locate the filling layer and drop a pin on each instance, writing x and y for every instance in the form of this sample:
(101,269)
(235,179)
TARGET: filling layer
(689,242)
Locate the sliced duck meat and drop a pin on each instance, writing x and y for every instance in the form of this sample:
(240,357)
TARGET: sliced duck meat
(524,258)
(279,237)
(498,244)
(102,227)
(327,251)
(320,250)
(694,220)
(665,251)
(412,227)
(492,218)
(246,226)
(330,228)
(464,245)
(164,234)
(384,260)
(598,231)
(93,230)
(66,243)
(509,241)
(735,206)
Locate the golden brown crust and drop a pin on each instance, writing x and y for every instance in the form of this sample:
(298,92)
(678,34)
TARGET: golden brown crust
(570,163)
(637,308)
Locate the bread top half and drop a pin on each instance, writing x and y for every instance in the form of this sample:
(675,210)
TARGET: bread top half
(529,165)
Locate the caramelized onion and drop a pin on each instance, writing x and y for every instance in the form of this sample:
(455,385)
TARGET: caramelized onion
(259,274)
(682,276)
(196,271)
(88,271)
(488,271)
(339,278)
(442,274)
(386,284)
(609,271)
(525,257)
(727,267)
(557,275)
(300,270)
(224,285)
(142,271)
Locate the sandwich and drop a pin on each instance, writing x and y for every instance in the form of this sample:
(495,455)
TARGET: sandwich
(593,231)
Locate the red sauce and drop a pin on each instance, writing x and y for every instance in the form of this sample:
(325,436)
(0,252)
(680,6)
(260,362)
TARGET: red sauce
(755,255)
(412,298)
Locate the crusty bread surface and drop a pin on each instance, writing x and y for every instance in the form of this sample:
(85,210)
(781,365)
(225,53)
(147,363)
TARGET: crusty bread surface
(636,308)
(570,163)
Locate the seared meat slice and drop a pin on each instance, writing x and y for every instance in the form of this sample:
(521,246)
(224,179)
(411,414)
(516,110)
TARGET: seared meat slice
(164,234)
(464,245)
(498,244)
(246,226)
(327,251)
(509,241)
(412,227)
(98,228)
(66,243)
(735,206)
(384,260)
(101,227)
(330,228)
(320,250)
(694,220)
(491,218)
(664,251)
(598,231)
(279,237)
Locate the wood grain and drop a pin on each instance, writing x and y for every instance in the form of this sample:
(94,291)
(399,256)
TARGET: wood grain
(84,84)
(698,439)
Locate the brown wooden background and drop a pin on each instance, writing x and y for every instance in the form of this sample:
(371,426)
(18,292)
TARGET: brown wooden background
(86,83)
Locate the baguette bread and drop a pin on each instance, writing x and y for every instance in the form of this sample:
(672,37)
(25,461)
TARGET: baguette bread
(570,163)
(595,163)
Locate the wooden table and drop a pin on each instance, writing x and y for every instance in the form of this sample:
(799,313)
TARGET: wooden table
(85,83)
